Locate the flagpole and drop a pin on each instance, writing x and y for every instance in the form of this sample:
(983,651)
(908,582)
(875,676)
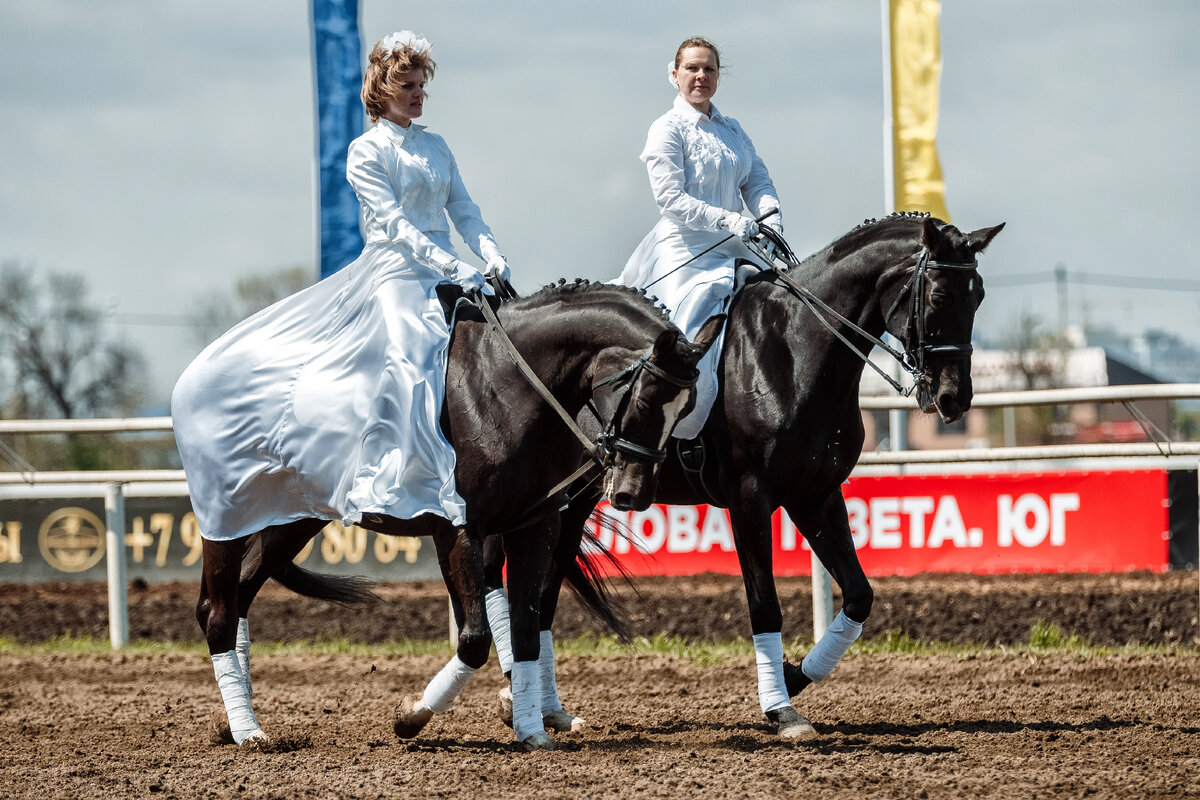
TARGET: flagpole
(889,156)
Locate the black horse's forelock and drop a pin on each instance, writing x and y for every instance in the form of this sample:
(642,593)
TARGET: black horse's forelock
(564,288)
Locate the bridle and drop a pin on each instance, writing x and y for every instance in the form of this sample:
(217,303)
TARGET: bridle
(916,354)
(611,440)
(914,358)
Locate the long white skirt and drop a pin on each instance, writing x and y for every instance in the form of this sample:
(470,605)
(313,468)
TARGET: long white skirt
(324,405)
(691,294)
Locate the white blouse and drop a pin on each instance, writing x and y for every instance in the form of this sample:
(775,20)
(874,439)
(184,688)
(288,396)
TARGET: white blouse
(407,181)
(701,166)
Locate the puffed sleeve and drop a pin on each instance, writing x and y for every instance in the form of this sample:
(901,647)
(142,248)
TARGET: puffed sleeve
(467,219)
(367,175)
(758,191)
(663,157)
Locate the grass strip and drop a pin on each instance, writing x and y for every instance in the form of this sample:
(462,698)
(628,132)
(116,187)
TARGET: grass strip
(1044,639)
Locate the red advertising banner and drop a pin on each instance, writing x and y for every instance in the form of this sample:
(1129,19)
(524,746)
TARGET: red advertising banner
(1112,521)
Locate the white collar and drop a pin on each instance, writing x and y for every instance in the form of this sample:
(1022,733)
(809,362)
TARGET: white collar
(398,133)
(685,109)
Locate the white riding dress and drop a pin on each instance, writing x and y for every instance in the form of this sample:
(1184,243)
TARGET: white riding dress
(700,168)
(327,403)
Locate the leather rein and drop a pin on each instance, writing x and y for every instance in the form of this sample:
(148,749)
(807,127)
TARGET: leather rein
(611,441)
(914,358)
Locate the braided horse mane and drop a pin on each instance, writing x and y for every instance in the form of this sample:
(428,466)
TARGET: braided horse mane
(565,290)
(876,228)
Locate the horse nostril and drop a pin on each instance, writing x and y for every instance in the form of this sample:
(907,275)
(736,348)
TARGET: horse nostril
(622,501)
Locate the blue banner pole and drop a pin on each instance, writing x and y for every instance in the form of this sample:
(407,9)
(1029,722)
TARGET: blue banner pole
(337,71)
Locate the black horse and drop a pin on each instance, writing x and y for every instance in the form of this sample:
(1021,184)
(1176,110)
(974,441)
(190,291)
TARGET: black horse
(786,429)
(587,342)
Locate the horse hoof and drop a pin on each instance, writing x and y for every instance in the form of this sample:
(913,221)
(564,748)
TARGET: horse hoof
(411,716)
(254,739)
(790,724)
(506,712)
(563,722)
(538,741)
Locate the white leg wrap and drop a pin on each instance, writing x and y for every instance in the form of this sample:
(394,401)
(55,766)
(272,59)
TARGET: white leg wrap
(243,652)
(826,654)
(497,613)
(444,688)
(550,701)
(768,655)
(235,695)
(527,695)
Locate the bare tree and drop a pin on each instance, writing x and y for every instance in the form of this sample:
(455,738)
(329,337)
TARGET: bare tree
(219,311)
(60,357)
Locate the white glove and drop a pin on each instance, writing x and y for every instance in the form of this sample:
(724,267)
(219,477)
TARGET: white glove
(742,227)
(467,276)
(499,267)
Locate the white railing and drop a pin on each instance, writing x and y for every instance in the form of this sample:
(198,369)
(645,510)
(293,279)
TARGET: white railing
(112,482)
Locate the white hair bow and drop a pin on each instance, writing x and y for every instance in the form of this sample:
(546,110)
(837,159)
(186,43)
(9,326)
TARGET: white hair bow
(404,38)
(671,73)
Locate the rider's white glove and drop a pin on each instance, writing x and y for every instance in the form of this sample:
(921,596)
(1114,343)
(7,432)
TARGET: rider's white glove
(467,277)
(742,227)
(499,267)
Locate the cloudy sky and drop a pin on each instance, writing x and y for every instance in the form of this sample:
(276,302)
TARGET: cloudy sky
(165,149)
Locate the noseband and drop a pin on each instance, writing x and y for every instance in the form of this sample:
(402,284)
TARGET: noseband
(610,440)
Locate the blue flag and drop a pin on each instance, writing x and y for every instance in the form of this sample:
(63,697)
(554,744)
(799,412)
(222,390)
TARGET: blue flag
(337,63)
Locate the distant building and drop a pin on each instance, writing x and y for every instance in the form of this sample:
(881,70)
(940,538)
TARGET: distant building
(1009,370)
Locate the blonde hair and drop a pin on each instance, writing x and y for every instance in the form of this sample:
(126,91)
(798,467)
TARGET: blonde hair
(384,75)
(697,41)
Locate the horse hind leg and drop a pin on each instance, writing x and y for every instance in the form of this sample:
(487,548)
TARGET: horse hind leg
(217,611)
(460,558)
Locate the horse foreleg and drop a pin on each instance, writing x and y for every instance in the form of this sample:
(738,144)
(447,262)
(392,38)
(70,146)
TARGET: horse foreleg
(217,612)
(460,558)
(528,553)
(751,520)
(828,533)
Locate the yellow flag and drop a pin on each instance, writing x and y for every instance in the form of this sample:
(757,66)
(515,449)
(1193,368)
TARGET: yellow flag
(916,70)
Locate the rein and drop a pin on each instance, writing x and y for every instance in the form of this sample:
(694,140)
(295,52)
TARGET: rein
(916,367)
(597,451)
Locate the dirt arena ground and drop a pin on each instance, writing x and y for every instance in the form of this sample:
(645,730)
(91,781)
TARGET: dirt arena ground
(996,725)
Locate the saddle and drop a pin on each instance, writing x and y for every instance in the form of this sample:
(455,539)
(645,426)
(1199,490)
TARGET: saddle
(450,295)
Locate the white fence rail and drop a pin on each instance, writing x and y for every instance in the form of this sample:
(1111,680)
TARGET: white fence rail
(112,482)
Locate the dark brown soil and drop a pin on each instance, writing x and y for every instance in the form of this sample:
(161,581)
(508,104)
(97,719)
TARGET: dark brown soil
(997,725)
(1106,609)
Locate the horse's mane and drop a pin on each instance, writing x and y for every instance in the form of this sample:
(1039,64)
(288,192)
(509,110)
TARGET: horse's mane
(564,290)
(870,230)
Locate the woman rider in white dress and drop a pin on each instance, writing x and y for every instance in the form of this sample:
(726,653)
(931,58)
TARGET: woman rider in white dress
(702,168)
(327,403)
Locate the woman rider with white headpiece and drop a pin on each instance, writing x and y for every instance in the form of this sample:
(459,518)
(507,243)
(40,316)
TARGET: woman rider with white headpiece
(702,168)
(327,403)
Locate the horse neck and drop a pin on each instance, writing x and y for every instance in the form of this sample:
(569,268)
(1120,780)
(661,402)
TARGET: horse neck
(852,284)
(571,340)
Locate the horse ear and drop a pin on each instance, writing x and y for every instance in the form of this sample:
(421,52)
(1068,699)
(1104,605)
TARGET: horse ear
(978,240)
(708,332)
(931,235)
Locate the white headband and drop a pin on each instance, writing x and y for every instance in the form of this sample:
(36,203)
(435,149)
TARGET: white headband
(415,41)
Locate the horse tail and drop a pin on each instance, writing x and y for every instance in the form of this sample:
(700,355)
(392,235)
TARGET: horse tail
(592,584)
(346,591)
